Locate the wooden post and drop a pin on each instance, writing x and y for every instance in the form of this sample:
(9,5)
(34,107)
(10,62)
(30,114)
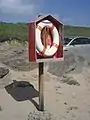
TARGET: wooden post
(41,85)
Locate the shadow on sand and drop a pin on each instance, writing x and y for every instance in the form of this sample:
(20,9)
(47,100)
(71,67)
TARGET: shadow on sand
(22,90)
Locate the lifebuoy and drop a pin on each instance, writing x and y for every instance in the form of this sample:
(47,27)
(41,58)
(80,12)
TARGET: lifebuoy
(50,50)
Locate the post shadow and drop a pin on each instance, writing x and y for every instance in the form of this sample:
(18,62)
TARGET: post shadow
(22,91)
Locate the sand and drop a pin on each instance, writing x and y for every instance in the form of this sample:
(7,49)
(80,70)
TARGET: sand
(63,100)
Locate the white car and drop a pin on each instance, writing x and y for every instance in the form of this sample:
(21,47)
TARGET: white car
(76,42)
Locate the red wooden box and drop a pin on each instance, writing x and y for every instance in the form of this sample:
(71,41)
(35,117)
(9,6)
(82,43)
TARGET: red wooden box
(33,56)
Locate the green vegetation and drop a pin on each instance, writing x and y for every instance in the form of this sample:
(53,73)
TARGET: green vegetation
(76,31)
(20,30)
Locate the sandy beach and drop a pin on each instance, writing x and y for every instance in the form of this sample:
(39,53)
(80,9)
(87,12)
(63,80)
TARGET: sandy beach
(66,87)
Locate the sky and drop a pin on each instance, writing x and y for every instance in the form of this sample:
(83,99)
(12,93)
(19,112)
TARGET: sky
(70,12)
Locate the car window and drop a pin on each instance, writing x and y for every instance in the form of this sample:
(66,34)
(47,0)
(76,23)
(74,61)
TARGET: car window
(66,41)
(76,41)
(86,41)
(80,41)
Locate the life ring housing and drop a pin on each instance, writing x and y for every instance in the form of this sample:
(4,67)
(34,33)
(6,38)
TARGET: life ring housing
(49,51)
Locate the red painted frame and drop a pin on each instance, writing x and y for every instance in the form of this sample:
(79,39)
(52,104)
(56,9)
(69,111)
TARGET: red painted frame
(32,44)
